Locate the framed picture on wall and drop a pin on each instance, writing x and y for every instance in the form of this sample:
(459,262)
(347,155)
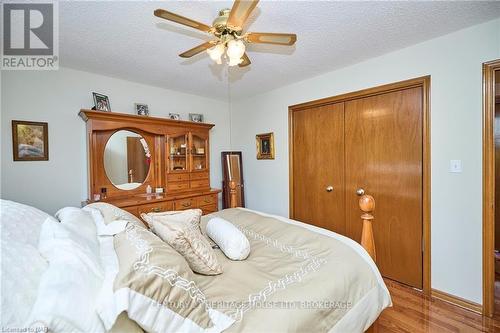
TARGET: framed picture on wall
(30,141)
(265,146)
(141,109)
(101,102)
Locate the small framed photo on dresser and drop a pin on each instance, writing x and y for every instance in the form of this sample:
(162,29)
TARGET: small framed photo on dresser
(141,109)
(101,102)
(174,116)
(30,140)
(196,117)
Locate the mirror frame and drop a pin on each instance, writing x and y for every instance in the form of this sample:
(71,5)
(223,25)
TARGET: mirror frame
(99,179)
(104,160)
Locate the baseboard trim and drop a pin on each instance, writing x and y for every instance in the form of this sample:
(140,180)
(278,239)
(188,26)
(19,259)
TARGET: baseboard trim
(455,300)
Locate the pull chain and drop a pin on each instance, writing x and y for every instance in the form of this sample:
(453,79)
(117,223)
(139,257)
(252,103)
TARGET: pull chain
(229,109)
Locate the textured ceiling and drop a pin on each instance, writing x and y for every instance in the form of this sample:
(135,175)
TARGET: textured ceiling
(125,40)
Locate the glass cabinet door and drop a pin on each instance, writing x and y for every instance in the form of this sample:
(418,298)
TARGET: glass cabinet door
(199,152)
(178,153)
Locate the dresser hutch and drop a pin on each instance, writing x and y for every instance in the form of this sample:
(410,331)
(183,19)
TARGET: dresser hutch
(148,164)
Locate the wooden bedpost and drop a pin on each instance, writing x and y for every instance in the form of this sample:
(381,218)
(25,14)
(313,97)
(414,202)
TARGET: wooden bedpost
(233,201)
(367,205)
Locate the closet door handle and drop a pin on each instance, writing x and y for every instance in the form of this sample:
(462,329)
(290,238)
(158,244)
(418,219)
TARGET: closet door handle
(329,188)
(360,191)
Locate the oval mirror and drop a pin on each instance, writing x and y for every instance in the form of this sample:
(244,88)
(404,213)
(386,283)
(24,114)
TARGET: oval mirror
(126,160)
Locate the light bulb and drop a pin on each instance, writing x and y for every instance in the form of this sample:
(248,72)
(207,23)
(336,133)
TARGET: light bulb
(216,52)
(234,61)
(235,50)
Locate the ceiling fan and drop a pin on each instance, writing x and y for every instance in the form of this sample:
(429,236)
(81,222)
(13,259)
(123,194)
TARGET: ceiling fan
(227,29)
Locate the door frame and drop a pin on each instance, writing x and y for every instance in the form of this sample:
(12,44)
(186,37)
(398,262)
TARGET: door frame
(489,69)
(425,83)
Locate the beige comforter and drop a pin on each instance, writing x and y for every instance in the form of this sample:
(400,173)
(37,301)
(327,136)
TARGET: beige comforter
(297,278)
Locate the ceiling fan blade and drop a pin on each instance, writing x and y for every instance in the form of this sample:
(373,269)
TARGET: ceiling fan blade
(196,50)
(181,20)
(246,61)
(240,12)
(271,38)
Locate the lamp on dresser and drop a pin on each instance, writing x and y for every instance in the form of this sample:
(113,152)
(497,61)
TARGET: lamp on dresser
(148,164)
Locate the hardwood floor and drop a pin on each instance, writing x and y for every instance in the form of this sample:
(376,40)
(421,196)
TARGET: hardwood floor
(413,312)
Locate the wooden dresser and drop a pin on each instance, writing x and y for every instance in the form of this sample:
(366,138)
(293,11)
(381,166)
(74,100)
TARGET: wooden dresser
(127,154)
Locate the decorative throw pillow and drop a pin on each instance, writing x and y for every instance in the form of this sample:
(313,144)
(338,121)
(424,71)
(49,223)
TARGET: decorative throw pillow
(154,285)
(230,239)
(190,216)
(112,213)
(186,240)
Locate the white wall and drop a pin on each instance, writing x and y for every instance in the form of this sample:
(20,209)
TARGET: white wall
(454,61)
(56,97)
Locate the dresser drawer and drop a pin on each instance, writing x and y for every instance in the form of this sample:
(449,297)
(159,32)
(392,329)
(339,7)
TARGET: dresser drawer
(206,200)
(199,175)
(183,204)
(200,183)
(155,207)
(177,177)
(176,186)
(209,209)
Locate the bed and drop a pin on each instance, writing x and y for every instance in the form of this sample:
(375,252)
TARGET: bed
(297,278)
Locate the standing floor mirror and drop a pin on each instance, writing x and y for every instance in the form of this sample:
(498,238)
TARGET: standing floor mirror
(232,171)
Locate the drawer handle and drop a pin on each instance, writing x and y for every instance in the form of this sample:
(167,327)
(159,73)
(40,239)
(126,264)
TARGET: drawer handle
(186,204)
(208,200)
(156,210)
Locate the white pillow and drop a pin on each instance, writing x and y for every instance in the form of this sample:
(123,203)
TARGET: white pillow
(79,222)
(80,227)
(69,288)
(230,239)
(112,213)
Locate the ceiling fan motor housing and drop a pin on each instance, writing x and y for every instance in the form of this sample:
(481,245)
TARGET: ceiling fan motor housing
(220,24)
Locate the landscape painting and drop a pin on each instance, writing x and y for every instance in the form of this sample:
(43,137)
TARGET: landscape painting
(30,141)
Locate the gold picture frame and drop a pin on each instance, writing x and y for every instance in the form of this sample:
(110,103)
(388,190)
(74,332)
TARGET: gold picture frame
(30,140)
(265,146)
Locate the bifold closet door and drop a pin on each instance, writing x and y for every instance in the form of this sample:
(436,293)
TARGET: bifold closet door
(383,143)
(318,167)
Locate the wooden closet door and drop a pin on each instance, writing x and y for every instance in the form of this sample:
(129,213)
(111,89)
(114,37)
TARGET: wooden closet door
(318,162)
(384,157)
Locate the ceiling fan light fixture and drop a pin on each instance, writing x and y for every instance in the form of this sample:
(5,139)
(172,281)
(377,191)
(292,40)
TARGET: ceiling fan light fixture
(234,62)
(235,49)
(216,53)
